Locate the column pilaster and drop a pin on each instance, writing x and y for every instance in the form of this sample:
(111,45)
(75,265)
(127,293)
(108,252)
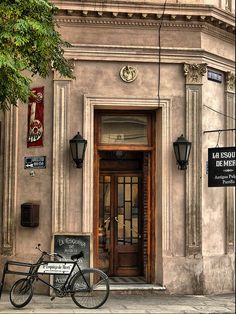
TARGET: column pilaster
(9,179)
(194,74)
(60,164)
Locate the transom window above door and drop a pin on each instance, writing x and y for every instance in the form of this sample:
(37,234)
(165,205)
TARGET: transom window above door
(124,129)
(120,129)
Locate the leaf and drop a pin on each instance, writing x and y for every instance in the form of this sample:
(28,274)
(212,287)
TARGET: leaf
(28,41)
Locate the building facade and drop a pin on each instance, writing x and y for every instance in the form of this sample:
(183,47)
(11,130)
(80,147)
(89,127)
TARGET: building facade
(146,72)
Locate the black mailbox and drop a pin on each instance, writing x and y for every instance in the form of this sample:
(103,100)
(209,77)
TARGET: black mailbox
(29,215)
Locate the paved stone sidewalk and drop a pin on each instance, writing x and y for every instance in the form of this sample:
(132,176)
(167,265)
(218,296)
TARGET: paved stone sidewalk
(132,304)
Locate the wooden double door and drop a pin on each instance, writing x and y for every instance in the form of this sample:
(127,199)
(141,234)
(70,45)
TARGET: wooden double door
(120,223)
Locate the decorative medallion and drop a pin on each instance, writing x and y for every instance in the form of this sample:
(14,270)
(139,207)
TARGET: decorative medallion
(128,73)
(194,72)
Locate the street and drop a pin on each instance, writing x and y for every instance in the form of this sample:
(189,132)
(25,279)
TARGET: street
(145,303)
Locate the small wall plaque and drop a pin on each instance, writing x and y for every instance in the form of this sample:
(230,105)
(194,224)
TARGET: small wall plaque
(214,76)
(35,162)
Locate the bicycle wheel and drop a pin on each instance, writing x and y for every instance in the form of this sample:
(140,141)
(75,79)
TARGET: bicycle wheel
(93,292)
(21,292)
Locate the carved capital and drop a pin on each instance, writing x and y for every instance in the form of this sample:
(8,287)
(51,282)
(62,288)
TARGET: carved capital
(58,77)
(230,82)
(194,72)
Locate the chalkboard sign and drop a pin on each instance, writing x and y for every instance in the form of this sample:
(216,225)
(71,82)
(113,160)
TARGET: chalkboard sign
(68,245)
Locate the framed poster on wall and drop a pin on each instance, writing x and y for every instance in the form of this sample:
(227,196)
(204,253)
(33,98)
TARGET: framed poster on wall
(36,118)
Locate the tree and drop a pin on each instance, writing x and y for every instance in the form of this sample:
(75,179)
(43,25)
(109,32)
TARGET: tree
(29,43)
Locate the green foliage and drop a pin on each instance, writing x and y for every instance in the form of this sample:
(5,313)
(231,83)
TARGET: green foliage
(28,42)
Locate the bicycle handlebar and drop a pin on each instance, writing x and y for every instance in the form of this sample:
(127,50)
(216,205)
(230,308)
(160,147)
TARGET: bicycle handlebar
(46,253)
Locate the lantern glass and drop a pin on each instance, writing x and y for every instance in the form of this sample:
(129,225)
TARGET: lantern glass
(182,150)
(78,146)
(73,148)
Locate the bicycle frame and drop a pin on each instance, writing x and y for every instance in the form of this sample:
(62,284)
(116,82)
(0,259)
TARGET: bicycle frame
(69,278)
(33,273)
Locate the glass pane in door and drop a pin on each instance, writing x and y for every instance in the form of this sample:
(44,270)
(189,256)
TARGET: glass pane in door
(104,234)
(127,210)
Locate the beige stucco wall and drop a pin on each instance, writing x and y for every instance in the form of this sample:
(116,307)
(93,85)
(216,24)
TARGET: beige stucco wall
(213,213)
(35,188)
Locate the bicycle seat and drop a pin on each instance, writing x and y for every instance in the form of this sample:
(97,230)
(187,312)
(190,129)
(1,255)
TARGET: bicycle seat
(77,256)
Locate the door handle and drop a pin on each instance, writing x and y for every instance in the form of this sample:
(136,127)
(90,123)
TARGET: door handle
(116,219)
(105,221)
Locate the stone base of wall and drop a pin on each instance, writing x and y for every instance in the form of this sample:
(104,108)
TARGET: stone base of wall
(199,275)
(183,275)
(219,274)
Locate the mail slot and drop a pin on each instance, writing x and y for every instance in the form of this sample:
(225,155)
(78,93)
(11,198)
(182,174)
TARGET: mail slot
(29,215)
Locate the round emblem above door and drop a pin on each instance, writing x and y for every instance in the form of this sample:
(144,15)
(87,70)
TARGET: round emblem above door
(128,73)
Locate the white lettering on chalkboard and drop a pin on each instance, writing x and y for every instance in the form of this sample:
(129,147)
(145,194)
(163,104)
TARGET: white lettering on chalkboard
(71,241)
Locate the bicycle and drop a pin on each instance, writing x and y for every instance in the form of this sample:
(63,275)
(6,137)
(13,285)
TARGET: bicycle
(88,287)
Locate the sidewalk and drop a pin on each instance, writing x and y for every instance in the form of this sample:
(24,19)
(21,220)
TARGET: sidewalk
(132,304)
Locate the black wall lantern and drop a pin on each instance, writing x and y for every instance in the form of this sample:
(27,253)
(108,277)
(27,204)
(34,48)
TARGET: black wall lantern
(77,147)
(182,150)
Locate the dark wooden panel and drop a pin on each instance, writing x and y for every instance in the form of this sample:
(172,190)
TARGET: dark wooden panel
(128,259)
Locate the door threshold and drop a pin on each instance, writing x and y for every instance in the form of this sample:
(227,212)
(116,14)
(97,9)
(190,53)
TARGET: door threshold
(133,287)
(137,283)
(117,280)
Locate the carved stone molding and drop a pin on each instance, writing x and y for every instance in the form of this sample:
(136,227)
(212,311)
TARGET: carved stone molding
(226,33)
(129,22)
(9,179)
(60,165)
(93,102)
(143,54)
(150,11)
(230,82)
(194,72)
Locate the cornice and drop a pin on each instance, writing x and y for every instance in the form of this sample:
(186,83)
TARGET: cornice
(124,22)
(141,54)
(145,11)
(176,25)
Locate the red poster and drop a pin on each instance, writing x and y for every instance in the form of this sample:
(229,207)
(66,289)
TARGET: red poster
(35,118)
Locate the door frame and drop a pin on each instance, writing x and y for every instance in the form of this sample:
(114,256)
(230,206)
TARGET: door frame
(163,176)
(150,186)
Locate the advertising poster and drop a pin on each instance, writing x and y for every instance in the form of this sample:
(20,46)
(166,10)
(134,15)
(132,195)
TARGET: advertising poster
(35,118)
